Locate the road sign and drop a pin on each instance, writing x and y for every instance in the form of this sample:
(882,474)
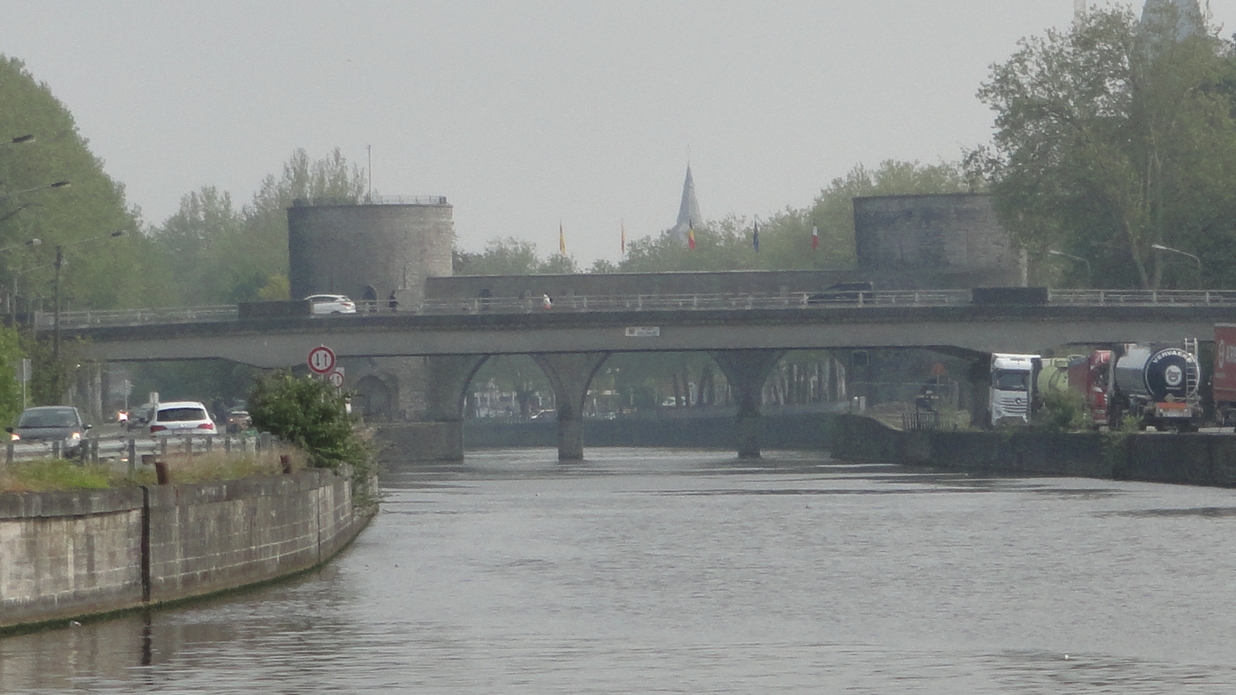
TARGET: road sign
(336,378)
(321,360)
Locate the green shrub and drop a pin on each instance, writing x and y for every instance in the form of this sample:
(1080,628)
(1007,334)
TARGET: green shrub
(1063,411)
(55,474)
(309,413)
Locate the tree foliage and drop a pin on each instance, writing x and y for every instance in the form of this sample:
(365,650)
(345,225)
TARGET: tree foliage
(99,270)
(1115,136)
(511,256)
(311,414)
(218,254)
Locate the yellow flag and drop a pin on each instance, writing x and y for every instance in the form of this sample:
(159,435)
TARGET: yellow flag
(561,240)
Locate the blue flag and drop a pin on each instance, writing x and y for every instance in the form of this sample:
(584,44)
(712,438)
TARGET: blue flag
(755,236)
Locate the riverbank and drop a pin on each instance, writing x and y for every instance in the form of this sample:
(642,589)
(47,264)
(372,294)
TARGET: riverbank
(72,554)
(1183,459)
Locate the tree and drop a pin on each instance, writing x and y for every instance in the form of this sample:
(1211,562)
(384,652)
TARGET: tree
(91,206)
(511,256)
(1115,136)
(309,413)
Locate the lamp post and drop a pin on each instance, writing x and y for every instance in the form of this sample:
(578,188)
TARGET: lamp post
(18,140)
(54,184)
(56,306)
(1161,247)
(1053,252)
(27,242)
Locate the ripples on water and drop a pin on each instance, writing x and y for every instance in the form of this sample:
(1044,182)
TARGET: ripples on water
(657,571)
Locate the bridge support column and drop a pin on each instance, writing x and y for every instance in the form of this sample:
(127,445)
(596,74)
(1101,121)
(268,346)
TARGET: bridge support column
(747,370)
(446,382)
(569,374)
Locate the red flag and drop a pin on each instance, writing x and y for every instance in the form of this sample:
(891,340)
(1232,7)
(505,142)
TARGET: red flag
(691,234)
(815,237)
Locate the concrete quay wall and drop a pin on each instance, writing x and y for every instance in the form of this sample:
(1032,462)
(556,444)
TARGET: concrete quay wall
(79,553)
(1182,459)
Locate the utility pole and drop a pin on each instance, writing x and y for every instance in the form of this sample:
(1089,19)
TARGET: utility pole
(56,326)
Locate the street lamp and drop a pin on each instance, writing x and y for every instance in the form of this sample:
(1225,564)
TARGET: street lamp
(18,140)
(1053,252)
(1161,247)
(27,242)
(56,306)
(56,184)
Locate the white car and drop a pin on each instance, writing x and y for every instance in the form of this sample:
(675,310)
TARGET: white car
(180,418)
(331,304)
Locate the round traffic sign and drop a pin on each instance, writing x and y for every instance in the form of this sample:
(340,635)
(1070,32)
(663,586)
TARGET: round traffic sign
(336,379)
(321,360)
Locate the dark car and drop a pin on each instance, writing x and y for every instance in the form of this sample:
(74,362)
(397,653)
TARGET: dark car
(51,423)
(844,292)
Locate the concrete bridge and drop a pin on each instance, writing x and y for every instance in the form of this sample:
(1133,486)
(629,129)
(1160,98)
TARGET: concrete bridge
(745,335)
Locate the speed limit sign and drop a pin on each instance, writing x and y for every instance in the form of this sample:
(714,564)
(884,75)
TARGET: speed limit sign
(336,378)
(321,360)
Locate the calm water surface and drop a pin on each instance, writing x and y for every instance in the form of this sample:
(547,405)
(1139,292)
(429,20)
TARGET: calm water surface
(644,571)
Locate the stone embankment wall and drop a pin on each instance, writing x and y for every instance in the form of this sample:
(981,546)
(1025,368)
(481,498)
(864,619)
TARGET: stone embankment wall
(1186,459)
(72,554)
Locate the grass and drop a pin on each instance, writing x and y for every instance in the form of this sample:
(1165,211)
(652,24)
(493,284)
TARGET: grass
(61,474)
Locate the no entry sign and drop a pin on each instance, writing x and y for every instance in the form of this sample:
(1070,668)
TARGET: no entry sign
(321,360)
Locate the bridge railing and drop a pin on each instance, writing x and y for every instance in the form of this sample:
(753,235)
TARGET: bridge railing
(1144,297)
(650,302)
(135,317)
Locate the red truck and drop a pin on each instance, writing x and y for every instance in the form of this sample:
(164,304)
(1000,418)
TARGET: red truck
(1225,374)
(1089,375)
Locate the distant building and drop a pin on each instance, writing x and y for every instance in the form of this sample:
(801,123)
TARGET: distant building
(688,211)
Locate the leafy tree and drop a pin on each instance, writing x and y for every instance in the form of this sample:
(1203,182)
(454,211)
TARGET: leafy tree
(101,272)
(311,414)
(1115,136)
(511,256)
(219,254)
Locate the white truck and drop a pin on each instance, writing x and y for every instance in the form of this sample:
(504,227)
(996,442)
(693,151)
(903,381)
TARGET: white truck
(1012,387)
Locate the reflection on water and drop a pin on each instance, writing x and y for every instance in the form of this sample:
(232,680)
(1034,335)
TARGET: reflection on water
(649,570)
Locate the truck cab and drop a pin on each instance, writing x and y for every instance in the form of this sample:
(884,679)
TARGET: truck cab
(1011,390)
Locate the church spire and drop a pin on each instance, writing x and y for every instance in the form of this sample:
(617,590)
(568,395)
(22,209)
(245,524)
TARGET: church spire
(688,211)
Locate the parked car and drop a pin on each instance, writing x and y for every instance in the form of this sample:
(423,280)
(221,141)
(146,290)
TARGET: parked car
(51,423)
(238,421)
(180,418)
(331,304)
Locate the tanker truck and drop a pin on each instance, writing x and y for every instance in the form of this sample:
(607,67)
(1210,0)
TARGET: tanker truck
(1158,386)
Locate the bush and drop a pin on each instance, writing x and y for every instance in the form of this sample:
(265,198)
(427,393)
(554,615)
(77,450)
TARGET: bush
(1063,411)
(309,413)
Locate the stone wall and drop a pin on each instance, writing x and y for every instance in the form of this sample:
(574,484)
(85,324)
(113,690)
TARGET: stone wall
(344,248)
(725,282)
(957,231)
(68,554)
(1185,459)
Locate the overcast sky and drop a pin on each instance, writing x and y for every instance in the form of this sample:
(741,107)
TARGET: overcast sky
(527,114)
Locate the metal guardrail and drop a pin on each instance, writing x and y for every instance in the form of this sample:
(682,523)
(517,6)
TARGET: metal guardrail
(650,302)
(126,448)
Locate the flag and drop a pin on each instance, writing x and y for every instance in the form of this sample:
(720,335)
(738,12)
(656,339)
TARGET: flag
(561,239)
(624,237)
(815,237)
(691,234)
(755,236)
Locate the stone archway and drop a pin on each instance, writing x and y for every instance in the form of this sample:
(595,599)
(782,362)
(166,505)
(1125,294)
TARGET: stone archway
(373,399)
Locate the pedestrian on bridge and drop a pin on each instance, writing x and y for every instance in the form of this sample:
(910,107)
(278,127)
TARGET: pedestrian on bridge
(546,302)
(393,302)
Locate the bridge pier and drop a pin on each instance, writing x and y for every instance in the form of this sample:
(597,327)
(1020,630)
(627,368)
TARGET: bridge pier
(446,386)
(747,370)
(569,374)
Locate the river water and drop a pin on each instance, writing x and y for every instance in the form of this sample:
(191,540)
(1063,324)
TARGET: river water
(643,571)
